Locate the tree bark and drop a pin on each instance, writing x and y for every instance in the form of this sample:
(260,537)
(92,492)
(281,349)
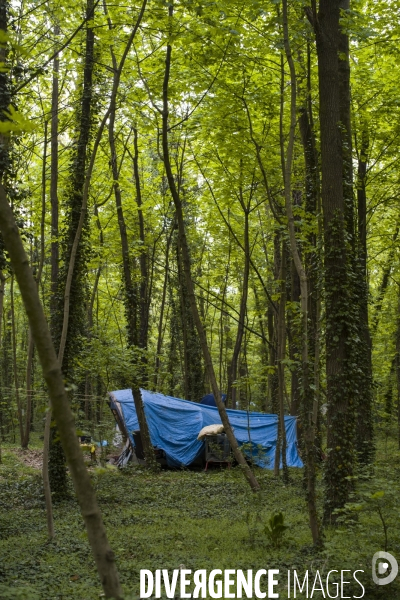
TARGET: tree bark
(144,277)
(29,362)
(397,364)
(365,432)
(231,400)
(15,364)
(309,423)
(162,308)
(192,363)
(54,258)
(2,292)
(54,252)
(384,281)
(189,282)
(265,347)
(72,276)
(102,552)
(131,305)
(281,444)
(341,409)
(345,125)
(45,476)
(5,99)
(272,335)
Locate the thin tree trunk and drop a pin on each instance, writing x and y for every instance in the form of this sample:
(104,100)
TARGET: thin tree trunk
(45,475)
(364,434)
(272,334)
(281,444)
(398,364)
(162,308)
(54,252)
(308,399)
(265,348)
(189,282)
(29,362)
(312,259)
(184,323)
(222,315)
(143,287)
(5,96)
(102,552)
(89,171)
(2,291)
(54,189)
(131,306)
(294,333)
(73,253)
(15,363)
(377,307)
(232,372)
(345,121)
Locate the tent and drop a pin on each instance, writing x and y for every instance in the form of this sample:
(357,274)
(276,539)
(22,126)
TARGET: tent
(174,425)
(209,399)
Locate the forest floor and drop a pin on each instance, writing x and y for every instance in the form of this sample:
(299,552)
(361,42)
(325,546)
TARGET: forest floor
(200,520)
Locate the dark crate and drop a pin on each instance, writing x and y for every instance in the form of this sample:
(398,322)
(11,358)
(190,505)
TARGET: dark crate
(218,448)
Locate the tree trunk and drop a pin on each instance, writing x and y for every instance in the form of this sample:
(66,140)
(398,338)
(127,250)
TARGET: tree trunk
(281,444)
(294,338)
(102,552)
(45,476)
(29,362)
(272,334)
(385,278)
(5,100)
(54,258)
(231,400)
(15,363)
(341,413)
(162,308)
(192,363)
(144,277)
(345,125)
(131,304)
(2,292)
(308,398)
(364,433)
(189,282)
(54,190)
(71,314)
(264,346)
(398,364)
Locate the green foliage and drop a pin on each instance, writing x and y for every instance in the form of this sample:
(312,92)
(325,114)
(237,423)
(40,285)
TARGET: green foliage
(193,518)
(13,121)
(228,108)
(275,529)
(375,494)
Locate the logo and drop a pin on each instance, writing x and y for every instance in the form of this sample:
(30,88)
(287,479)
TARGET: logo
(381,562)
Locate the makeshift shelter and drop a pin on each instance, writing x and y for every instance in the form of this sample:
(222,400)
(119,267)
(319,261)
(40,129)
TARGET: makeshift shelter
(174,425)
(209,399)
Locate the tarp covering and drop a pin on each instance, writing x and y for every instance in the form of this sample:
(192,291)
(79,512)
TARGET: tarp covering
(209,399)
(174,425)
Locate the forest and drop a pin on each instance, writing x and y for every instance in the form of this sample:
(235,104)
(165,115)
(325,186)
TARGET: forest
(198,197)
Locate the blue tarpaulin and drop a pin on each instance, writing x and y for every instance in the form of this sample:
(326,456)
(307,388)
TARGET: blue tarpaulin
(174,425)
(209,399)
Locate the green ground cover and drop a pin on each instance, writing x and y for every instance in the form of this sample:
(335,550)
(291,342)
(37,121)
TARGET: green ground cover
(200,520)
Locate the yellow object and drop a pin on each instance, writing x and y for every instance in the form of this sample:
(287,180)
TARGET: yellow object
(90,447)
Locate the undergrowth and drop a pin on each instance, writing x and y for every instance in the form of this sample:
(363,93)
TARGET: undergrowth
(200,520)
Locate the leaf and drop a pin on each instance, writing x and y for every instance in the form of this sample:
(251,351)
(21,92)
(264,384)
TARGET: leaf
(15,122)
(377,495)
